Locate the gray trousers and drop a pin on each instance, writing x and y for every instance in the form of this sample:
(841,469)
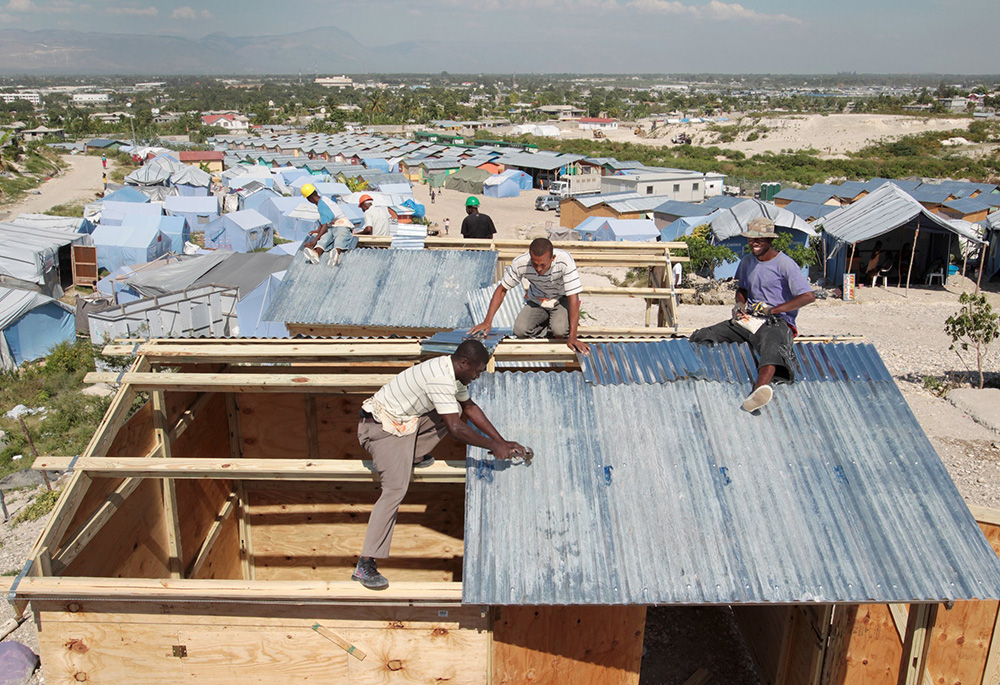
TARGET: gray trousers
(535,321)
(393,457)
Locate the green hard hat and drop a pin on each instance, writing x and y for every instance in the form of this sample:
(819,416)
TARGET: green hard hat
(472,202)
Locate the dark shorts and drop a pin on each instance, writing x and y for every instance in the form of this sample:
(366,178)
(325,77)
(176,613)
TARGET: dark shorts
(772,343)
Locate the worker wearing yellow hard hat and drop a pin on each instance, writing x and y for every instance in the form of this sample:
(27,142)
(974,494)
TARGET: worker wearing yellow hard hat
(335,229)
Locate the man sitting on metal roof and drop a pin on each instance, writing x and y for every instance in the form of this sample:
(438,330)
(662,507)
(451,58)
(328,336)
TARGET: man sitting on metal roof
(335,229)
(553,304)
(771,290)
(403,421)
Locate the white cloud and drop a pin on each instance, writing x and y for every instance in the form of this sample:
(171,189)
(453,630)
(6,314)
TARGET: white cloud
(190,13)
(133,11)
(714,10)
(21,6)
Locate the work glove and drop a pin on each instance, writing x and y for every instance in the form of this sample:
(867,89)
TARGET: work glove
(759,309)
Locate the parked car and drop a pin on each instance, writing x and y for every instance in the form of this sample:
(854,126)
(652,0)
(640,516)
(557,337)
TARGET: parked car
(547,202)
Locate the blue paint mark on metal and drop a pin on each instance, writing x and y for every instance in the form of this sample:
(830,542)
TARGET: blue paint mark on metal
(841,474)
(726,480)
(607,474)
(484,469)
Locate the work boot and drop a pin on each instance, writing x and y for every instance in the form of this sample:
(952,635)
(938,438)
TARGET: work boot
(758,398)
(367,574)
(424,463)
(311,256)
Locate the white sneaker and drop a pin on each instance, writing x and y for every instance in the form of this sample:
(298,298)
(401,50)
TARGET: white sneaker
(758,398)
(311,256)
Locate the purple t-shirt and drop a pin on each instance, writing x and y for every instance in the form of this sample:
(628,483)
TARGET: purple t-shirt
(773,282)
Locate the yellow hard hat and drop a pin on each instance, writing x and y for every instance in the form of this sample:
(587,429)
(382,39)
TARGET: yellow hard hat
(307,189)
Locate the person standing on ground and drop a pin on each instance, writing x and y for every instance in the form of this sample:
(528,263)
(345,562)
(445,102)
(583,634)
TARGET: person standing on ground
(447,223)
(335,229)
(476,225)
(432,196)
(104,160)
(377,219)
(553,305)
(406,419)
(771,290)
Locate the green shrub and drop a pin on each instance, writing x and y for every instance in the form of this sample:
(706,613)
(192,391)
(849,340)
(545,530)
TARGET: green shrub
(704,256)
(39,507)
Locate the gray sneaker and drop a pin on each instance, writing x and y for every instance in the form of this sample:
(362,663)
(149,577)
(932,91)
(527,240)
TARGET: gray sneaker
(758,398)
(424,463)
(367,574)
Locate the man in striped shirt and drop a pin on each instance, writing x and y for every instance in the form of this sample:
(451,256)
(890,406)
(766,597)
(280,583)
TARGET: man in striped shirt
(403,421)
(553,298)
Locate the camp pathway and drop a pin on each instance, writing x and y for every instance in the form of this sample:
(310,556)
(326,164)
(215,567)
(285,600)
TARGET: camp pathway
(81,180)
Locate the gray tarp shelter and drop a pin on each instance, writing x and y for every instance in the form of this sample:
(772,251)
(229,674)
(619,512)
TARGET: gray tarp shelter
(991,256)
(881,212)
(38,258)
(148,175)
(730,222)
(239,270)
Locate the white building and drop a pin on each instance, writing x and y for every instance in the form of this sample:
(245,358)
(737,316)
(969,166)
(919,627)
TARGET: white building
(90,98)
(340,82)
(231,122)
(677,184)
(33,98)
(598,123)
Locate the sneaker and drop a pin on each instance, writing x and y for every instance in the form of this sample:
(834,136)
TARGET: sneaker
(758,398)
(311,256)
(424,463)
(367,574)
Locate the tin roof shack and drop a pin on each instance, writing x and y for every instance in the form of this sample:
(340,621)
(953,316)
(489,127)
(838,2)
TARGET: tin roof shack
(211,534)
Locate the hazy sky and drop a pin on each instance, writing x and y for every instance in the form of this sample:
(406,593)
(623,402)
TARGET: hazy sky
(941,36)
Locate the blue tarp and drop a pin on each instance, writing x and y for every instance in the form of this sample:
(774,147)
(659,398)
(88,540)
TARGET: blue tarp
(123,245)
(243,231)
(379,163)
(681,227)
(274,208)
(127,194)
(286,248)
(633,230)
(196,211)
(113,213)
(418,209)
(329,189)
(498,186)
(289,174)
(33,324)
(250,311)
(523,180)
(255,200)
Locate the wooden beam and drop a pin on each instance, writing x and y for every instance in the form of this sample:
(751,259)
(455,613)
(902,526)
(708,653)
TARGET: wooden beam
(209,590)
(648,293)
(160,422)
(245,469)
(919,624)
(188,416)
(173,523)
(312,428)
(985,515)
(213,534)
(246,536)
(339,384)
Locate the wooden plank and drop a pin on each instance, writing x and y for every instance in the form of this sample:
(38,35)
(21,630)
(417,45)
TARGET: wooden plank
(245,534)
(160,422)
(700,677)
(534,644)
(236,382)
(312,428)
(918,633)
(189,415)
(235,428)
(340,642)
(185,589)
(647,293)
(986,515)
(116,414)
(173,527)
(245,469)
(213,535)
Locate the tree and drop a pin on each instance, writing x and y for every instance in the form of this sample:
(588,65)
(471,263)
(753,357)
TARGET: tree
(974,325)
(703,255)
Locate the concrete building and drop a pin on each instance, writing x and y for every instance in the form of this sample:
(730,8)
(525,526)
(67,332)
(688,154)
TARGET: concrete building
(562,112)
(340,82)
(231,122)
(598,123)
(91,98)
(672,184)
(33,98)
(42,132)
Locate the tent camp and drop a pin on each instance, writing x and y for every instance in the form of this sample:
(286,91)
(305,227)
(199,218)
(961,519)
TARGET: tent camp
(191,181)
(134,244)
(467,180)
(274,209)
(196,211)
(250,311)
(243,231)
(243,271)
(30,325)
(500,186)
(616,230)
(915,244)
(113,213)
(296,223)
(67,224)
(522,179)
(682,227)
(149,175)
(126,194)
(253,196)
(38,258)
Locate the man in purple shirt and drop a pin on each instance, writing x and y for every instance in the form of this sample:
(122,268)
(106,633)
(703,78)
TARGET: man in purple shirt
(771,290)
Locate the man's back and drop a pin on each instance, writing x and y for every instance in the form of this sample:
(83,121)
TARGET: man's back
(478,225)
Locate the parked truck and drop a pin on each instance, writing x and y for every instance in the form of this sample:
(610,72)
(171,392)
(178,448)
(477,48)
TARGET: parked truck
(580,184)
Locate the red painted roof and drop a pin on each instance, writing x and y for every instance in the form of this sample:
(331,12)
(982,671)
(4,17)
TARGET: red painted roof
(596,120)
(202,156)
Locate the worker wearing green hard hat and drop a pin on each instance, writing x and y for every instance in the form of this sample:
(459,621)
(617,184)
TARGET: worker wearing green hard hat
(476,225)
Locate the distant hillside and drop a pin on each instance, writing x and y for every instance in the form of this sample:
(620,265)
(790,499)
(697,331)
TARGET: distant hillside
(324,50)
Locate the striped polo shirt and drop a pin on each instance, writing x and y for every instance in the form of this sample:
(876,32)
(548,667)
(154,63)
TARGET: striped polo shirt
(561,279)
(421,388)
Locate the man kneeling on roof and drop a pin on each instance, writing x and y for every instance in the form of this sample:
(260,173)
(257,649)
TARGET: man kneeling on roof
(553,298)
(403,421)
(771,290)
(335,229)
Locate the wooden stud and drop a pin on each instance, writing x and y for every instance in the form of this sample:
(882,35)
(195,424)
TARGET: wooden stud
(188,416)
(238,382)
(700,677)
(246,537)
(918,631)
(312,427)
(235,432)
(173,524)
(43,563)
(160,422)
(213,534)
(246,469)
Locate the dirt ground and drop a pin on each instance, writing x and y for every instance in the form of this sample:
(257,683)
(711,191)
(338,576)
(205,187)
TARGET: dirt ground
(80,180)
(906,329)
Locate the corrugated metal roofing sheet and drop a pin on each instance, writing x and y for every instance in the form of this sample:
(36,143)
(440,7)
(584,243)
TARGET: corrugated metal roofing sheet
(478,302)
(386,288)
(670,494)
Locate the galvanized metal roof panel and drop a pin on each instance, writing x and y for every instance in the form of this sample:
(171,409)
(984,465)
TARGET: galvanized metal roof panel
(670,494)
(386,288)
(478,302)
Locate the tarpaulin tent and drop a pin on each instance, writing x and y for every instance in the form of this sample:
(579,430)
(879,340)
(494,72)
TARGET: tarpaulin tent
(197,212)
(729,222)
(38,258)
(331,189)
(274,209)
(467,180)
(243,231)
(148,175)
(395,188)
(991,255)
(619,230)
(66,224)
(300,181)
(191,181)
(917,241)
(523,179)
(254,197)
(31,324)
(288,249)
(123,245)
(113,213)
(126,194)
(250,311)
(175,228)
(289,174)
(498,186)
(682,227)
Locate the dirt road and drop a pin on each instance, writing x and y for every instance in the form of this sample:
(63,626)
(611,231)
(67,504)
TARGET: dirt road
(80,180)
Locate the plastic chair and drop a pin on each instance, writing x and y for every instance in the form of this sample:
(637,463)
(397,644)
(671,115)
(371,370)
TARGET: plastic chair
(939,275)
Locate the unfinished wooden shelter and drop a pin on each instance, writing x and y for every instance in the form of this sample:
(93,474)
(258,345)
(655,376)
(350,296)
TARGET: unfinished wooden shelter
(211,533)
